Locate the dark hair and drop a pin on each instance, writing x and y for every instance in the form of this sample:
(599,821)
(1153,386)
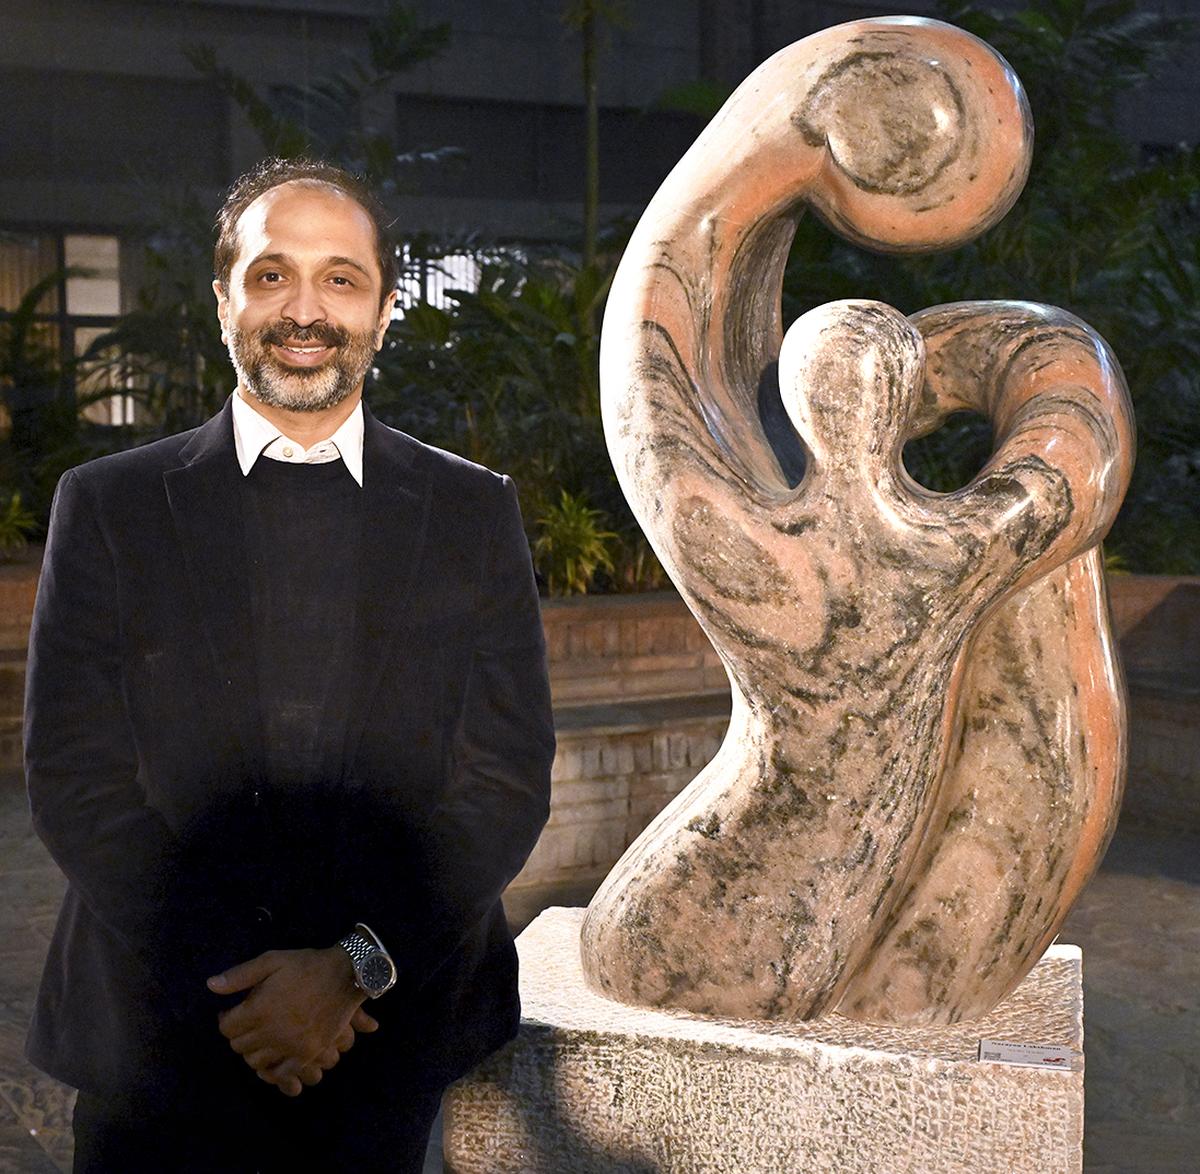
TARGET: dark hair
(270,173)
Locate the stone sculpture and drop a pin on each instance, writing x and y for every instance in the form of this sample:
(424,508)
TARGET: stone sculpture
(926,752)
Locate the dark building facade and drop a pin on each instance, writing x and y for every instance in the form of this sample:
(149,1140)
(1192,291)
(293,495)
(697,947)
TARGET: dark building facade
(104,115)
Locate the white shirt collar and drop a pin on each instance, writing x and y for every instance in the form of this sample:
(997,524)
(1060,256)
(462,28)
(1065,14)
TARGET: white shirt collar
(254,436)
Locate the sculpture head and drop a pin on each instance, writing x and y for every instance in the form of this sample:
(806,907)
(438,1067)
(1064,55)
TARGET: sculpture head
(841,346)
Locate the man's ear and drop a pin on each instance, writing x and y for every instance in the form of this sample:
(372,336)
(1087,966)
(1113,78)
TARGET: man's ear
(222,309)
(385,317)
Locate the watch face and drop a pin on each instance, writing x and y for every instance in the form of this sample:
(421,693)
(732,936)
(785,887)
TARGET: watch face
(376,971)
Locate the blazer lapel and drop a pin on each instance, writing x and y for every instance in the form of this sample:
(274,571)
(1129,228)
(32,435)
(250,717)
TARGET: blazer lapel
(205,497)
(396,503)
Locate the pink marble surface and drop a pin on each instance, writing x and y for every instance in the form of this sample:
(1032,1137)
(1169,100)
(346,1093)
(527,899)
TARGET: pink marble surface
(927,746)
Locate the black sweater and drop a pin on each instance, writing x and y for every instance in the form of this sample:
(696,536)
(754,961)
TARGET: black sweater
(304,529)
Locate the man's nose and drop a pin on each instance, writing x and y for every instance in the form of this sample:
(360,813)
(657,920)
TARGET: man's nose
(304,304)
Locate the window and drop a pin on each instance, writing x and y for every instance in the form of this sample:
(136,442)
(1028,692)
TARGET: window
(429,279)
(73,312)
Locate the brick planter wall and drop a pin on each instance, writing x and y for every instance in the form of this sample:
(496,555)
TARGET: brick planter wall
(605,648)
(640,706)
(1158,622)
(18,584)
(610,780)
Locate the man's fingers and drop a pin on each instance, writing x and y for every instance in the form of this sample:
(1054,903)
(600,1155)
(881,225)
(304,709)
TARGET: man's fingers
(345,1040)
(285,1076)
(235,1021)
(248,1041)
(262,1058)
(290,1086)
(361,1021)
(291,1074)
(328,1059)
(245,975)
(311,1074)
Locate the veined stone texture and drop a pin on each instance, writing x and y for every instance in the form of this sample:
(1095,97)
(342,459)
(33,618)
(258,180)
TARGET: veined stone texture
(928,737)
(591,1086)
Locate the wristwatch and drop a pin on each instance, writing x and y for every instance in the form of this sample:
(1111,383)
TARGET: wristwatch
(374,970)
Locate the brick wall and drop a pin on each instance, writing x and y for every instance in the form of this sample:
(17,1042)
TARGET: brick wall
(1164,758)
(1157,618)
(609,783)
(605,648)
(641,705)
(1158,623)
(18,583)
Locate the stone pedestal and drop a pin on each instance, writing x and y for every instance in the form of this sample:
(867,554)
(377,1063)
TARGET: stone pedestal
(595,1086)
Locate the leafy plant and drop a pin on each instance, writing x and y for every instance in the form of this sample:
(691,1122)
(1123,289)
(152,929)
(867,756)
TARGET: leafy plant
(17,524)
(330,116)
(571,545)
(31,373)
(44,435)
(507,375)
(636,566)
(167,351)
(1115,564)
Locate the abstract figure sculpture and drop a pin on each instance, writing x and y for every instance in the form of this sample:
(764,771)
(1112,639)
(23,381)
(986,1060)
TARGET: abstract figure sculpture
(926,751)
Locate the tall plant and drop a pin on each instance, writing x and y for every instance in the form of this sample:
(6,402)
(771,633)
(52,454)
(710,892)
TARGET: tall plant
(44,435)
(507,375)
(167,350)
(334,116)
(30,368)
(587,16)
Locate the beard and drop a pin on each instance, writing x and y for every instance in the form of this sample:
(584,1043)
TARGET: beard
(301,389)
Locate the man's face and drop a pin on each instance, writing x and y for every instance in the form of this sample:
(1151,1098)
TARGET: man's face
(302,315)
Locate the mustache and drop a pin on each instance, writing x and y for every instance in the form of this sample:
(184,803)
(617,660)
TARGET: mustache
(285,331)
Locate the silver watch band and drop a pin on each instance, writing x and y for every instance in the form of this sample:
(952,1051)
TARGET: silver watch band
(360,944)
(357,945)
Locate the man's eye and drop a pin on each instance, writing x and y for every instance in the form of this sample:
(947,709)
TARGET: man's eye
(338,279)
(270,277)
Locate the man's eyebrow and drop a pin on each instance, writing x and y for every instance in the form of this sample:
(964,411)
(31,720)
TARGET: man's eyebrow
(275,257)
(283,258)
(348,261)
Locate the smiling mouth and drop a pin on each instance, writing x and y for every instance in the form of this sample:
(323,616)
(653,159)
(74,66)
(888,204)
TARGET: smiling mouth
(304,354)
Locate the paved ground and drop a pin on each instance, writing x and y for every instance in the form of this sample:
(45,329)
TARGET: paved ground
(1138,924)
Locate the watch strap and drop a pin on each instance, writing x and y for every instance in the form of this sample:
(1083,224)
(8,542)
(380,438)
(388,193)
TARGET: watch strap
(360,944)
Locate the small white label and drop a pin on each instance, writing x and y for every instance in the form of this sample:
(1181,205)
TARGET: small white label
(1031,1055)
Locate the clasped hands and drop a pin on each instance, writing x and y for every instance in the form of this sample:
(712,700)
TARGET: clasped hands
(300,1016)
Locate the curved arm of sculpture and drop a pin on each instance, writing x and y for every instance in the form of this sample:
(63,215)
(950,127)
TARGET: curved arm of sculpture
(925,153)
(1058,406)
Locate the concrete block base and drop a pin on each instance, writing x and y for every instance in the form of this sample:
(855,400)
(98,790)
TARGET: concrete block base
(591,1085)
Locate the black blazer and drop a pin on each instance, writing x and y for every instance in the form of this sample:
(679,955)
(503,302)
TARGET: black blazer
(145,778)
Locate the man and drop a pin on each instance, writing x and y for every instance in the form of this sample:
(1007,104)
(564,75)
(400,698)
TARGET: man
(288,735)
